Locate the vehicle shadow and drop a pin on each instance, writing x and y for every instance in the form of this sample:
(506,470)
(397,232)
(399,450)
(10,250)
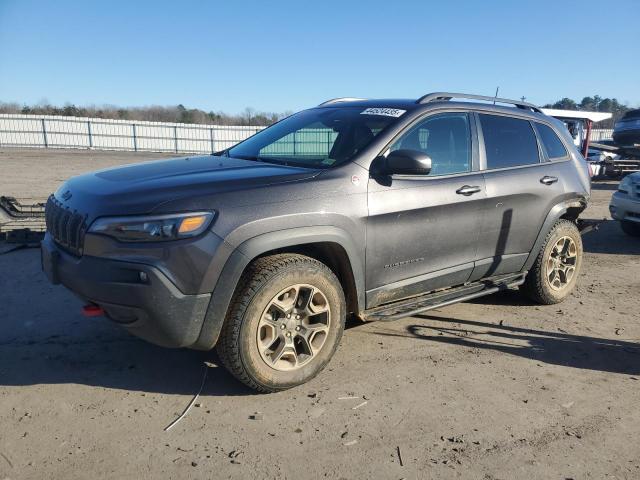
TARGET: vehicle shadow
(116,363)
(610,239)
(609,185)
(554,348)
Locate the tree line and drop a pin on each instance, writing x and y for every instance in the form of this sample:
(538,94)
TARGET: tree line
(594,104)
(154,113)
(182,114)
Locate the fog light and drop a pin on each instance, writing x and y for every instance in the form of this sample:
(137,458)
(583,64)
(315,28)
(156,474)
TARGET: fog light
(144,278)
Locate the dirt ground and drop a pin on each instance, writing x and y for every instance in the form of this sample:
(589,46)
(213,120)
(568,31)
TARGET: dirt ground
(497,388)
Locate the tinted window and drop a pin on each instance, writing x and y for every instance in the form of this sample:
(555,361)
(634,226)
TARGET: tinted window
(446,138)
(552,144)
(508,142)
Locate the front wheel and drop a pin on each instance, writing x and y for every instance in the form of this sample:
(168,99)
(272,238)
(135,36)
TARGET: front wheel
(553,275)
(284,323)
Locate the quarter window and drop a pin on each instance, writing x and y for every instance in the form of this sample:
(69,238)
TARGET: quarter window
(446,138)
(508,141)
(552,144)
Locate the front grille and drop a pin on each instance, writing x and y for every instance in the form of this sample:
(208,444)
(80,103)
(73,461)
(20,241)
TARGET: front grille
(66,226)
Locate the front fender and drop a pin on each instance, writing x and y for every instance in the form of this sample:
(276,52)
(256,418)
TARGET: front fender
(248,250)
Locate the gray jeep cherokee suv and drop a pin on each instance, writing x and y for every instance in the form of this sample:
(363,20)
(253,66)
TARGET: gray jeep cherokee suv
(373,208)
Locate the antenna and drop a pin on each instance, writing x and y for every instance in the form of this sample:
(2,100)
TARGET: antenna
(496,95)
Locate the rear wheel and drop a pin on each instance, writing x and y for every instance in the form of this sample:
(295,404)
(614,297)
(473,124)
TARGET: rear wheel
(284,323)
(630,228)
(553,275)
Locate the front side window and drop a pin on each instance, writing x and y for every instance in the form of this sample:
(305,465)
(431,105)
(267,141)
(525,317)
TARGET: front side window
(317,138)
(508,141)
(446,138)
(552,144)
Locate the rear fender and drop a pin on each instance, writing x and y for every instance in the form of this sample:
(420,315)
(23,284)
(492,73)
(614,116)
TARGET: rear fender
(570,208)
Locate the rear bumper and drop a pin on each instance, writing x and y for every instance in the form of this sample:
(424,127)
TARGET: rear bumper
(622,207)
(138,297)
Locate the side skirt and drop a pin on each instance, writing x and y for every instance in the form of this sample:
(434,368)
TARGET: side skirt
(411,306)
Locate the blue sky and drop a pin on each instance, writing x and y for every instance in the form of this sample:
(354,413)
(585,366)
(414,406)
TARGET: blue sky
(287,55)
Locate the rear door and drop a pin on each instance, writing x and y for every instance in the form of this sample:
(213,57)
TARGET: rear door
(521,187)
(422,230)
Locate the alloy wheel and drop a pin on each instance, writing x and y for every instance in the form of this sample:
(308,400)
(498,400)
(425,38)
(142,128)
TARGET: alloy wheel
(561,263)
(293,328)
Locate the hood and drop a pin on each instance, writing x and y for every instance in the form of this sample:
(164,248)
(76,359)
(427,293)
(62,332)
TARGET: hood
(142,187)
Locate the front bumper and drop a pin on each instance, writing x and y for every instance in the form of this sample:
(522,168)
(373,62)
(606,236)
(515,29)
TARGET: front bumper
(625,207)
(138,297)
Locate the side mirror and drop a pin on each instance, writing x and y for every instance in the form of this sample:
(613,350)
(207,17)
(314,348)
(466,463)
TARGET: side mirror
(408,162)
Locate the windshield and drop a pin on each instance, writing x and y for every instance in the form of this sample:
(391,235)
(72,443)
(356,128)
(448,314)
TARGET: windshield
(317,138)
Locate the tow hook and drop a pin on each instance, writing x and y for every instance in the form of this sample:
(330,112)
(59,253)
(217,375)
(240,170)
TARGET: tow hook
(92,310)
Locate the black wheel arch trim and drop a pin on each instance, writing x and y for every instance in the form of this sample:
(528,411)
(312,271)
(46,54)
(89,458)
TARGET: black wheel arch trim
(555,213)
(259,245)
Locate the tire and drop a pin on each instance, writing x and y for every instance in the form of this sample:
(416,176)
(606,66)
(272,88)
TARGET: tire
(630,228)
(544,283)
(260,345)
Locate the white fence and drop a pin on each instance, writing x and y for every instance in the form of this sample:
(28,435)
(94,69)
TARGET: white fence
(52,131)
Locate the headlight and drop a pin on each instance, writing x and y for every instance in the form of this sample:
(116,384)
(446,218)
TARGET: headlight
(156,228)
(625,185)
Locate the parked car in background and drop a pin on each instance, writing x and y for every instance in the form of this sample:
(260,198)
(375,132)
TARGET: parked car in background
(625,204)
(627,130)
(379,209)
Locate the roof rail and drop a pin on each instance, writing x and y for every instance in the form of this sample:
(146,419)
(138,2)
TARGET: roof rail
(341,99)
(445,96)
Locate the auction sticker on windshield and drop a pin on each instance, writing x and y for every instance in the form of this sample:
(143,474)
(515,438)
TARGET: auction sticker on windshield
(387,112)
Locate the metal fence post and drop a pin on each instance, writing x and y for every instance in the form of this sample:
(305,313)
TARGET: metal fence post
(135,138)
(44,134)
(89,132)
(213,141)
(175,137)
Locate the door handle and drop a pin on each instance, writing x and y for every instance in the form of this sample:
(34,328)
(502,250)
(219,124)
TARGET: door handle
(547,180)
(467,190)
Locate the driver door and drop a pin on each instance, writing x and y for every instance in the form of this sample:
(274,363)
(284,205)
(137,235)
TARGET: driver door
(422,230)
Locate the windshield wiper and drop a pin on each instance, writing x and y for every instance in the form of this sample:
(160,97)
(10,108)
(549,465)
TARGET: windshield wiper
(252,158)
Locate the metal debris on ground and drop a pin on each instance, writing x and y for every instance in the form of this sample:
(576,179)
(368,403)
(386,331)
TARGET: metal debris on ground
(15,215)
(399,456)
(193,401)
(359,405)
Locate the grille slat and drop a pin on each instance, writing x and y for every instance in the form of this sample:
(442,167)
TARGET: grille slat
(67,227)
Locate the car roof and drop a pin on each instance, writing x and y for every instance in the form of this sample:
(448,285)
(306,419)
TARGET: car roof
(412,104)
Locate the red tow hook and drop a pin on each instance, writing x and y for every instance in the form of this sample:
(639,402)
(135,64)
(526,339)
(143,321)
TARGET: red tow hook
(92,310)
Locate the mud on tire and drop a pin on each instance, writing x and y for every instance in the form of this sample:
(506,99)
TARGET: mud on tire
(284,323)
(555,271)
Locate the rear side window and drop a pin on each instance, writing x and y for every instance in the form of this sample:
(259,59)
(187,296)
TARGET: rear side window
(552,144)
(508,142)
